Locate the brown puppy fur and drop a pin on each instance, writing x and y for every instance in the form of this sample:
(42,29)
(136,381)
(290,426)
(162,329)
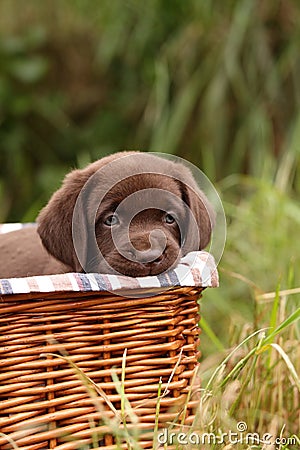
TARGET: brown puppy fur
(22,254)
(155,240)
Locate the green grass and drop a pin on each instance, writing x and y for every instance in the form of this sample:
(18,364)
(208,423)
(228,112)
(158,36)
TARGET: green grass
(262,253)
(217,83)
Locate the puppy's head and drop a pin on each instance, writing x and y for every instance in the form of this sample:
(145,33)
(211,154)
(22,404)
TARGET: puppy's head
(131,213)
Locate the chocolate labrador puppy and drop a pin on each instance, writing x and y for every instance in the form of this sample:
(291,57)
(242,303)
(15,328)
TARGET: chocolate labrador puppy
(130,213)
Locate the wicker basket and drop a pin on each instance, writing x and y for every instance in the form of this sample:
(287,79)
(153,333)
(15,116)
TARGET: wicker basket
(61,339)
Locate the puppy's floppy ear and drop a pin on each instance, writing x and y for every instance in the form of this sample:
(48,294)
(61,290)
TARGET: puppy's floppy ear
(201,210)
(55,220)
(203,213)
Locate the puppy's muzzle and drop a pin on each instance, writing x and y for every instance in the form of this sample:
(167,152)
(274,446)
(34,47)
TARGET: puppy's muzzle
(148,249)
(147,257)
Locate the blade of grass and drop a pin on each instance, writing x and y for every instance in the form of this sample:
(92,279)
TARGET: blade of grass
(273,320)
(221,366)
(188,398)
(12,443)
(242,362)
(288,363)
(272,295)
(90,386)
(211,335)
(157,409)
(166,390)
(126,408)
(95,436)
(294,317)
(274,312)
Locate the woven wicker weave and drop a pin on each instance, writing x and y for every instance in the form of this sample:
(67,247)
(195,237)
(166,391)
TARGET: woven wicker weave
(45,404)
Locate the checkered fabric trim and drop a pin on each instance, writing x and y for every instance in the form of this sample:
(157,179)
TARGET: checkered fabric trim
(195,269)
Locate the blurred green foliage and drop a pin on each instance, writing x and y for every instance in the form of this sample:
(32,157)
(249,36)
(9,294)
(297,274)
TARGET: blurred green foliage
(215,82)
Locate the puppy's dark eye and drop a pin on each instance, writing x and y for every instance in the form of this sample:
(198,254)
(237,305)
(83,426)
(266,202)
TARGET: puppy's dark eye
(169,219)
(111,220)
